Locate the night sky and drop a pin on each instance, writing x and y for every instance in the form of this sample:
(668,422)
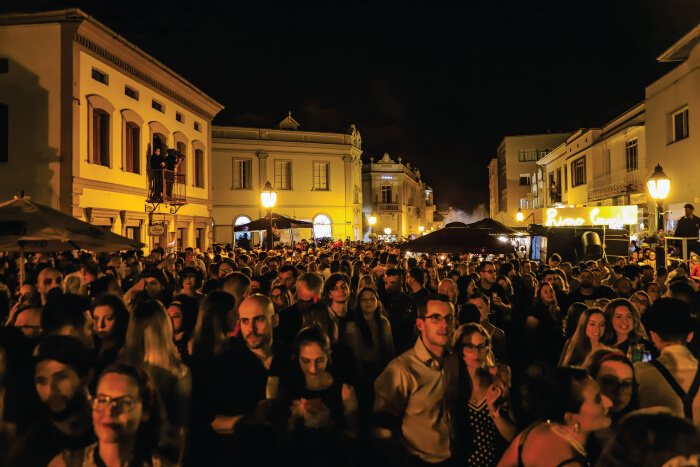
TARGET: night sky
(439,83)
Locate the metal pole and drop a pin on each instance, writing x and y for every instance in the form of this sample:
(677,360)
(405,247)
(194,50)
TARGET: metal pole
(269,233)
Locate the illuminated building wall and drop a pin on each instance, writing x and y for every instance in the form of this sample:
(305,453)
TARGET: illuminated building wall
(395,192)
(672,130)
(316,176)
(84,110)
(517,158)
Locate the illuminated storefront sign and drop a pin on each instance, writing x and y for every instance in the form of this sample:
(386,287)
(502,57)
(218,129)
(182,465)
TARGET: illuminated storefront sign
(387,177)
(612,216)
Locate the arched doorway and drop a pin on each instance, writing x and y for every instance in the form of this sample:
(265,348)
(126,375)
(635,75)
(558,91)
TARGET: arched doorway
(240,220)
(322,226)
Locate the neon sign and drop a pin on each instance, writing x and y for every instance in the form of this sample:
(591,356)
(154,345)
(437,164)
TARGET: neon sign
(611,216)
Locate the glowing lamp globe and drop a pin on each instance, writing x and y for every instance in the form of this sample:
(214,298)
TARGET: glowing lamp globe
(658,184)
(268,196)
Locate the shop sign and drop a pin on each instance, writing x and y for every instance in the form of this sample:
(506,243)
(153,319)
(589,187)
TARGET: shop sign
(611,216)
(156,230)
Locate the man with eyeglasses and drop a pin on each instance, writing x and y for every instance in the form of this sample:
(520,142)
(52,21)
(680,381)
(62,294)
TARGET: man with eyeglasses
(492,289)
(62,372)
(415,394)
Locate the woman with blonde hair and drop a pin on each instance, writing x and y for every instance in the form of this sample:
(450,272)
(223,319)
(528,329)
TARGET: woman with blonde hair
(586,339)
(150,344)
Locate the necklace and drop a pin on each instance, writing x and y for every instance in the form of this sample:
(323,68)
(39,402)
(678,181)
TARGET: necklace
(568,437)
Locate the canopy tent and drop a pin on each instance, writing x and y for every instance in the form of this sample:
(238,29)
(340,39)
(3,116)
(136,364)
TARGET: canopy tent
(458,240)
(278,222)
(26,225)
(492,227)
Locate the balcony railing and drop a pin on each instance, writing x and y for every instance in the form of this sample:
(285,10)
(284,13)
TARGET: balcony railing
(166,186)
(616,183)
(388,207)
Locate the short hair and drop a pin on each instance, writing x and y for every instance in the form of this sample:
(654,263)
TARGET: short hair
(238,281)
(682,290)
(64,310)
(289,268)
(483,264)
(265,303)
(393,272)
(313,282)
(438,297)
(661,271)
(417,274)
(264,284)
(480,296)
(555,257)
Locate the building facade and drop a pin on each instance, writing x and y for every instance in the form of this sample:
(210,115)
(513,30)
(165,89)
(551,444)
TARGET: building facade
(317,177)
(402,202)
(516,160)
(672,130)
(83,110)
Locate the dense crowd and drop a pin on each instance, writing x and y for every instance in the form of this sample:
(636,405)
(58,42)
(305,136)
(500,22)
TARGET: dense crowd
(351,354)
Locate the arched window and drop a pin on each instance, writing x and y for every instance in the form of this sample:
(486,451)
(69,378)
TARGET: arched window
(240,221)
(322,226)
(181,143)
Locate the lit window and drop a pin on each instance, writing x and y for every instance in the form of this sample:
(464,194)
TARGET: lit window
(320,175)
(578,172)
(322,226)
(631,155)
(242,177)
(283,175)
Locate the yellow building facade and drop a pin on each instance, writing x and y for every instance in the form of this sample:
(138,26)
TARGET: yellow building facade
(317,177)
(402,202)
(85,109)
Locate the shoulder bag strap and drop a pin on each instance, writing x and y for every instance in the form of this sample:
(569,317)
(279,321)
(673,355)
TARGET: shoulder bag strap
(690,395)
(675,386)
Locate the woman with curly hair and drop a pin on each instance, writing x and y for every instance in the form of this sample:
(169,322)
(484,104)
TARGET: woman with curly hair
(628,333)
(586,339)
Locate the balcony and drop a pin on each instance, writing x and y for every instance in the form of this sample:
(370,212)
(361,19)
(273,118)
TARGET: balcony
(615,184)
(388,207)
(166,186)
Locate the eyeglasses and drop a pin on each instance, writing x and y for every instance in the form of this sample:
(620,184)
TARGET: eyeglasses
(437,318)
(225,270)
(611,385)
(470,346)
(489,271)
(101,403)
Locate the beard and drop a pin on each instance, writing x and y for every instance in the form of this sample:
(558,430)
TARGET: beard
(73,405)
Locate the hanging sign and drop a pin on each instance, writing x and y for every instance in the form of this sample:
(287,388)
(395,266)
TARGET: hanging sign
(611,216)
(156,230)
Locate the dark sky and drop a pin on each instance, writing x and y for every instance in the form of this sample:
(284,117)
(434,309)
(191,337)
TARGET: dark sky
(439,83)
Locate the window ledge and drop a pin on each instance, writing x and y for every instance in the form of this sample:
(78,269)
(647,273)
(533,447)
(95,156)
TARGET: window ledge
(678,141)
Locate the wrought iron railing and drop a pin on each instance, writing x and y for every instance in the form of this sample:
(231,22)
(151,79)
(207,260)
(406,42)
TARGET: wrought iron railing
(166,186)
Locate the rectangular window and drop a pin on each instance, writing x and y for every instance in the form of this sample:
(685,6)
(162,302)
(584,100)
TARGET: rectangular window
(100,138)
(100,77)
(607,164)
(542,152)
(158,106)
(578,172)
(386,194)
(283,175)
(527,155)
(199,239)
(179,117)
(131,147)
(197,126)
(566,178)
(4,133)
(524,180)
(631,155)
(320,175)
(199,168)
(242,179)
(680,125)
(131,92)
(181,239)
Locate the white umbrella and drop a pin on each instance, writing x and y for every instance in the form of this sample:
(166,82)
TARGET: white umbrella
(26,225)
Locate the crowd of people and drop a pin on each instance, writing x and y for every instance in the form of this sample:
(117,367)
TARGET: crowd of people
(356,354)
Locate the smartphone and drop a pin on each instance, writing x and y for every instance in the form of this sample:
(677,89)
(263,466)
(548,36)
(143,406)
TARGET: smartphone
(647,357)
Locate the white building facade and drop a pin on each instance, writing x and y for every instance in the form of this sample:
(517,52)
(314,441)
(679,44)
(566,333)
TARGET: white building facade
(317,177)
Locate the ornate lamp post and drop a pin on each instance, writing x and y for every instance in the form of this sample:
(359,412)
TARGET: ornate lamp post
(372,219)
(658,186)
(269,197)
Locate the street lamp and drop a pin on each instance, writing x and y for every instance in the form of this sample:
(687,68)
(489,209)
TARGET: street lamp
(372,219)
(659,185)
(421,228)
(520,217)
(387,231)
(268,197)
